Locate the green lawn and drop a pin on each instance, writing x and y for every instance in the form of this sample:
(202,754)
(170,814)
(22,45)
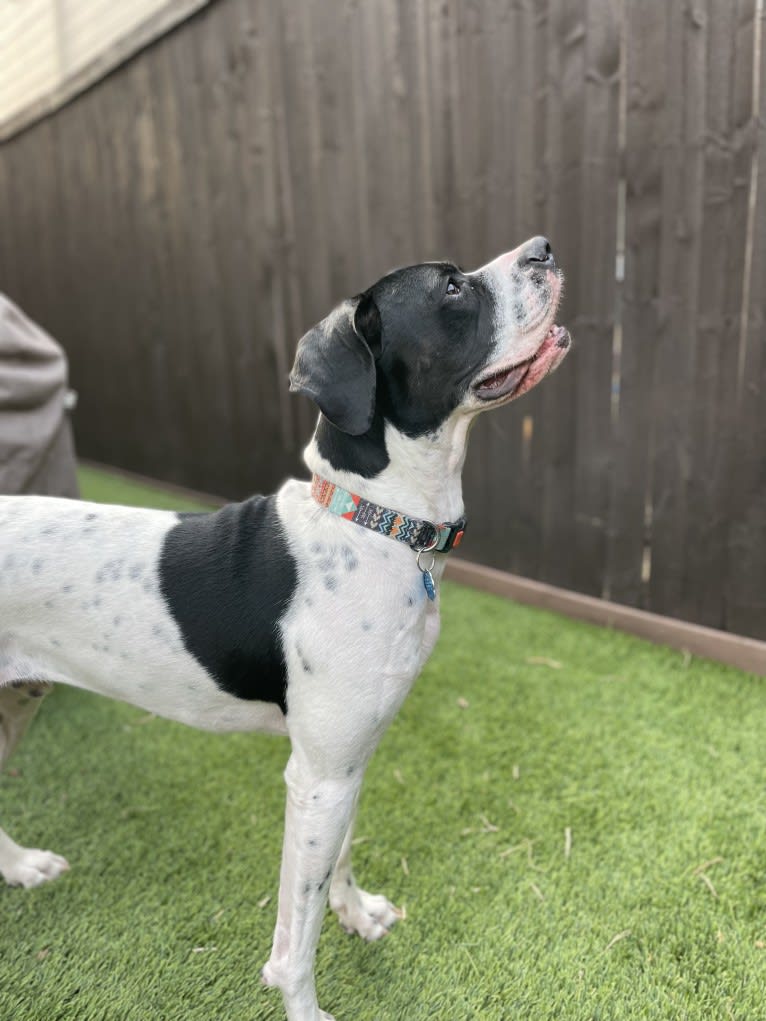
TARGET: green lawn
(524,727)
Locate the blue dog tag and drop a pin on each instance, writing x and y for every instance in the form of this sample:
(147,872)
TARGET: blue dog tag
(428,584)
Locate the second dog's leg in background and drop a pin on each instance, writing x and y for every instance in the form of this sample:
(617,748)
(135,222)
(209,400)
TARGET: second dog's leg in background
(22,866)
(369,915)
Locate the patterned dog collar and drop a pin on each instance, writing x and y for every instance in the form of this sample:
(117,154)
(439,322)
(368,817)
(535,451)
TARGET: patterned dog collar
(419,535)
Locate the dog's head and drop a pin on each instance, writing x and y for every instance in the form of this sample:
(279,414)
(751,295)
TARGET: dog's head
(428,341)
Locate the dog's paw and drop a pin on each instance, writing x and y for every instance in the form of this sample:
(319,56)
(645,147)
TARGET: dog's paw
(271,975)
(370,916)
(29,867)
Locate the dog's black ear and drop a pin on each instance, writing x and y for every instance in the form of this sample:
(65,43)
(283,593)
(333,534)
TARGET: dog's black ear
(335,366)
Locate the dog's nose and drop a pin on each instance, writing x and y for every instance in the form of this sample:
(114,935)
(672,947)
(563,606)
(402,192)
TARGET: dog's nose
(537,252)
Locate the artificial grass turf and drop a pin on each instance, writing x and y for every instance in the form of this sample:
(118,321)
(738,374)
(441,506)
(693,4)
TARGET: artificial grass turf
(655,764)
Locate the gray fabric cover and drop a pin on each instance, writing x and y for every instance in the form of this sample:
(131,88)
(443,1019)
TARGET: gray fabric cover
(36,449)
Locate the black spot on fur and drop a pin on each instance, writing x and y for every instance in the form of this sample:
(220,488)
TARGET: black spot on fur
(330,582)
(227,579)
(304,662)
(349,559)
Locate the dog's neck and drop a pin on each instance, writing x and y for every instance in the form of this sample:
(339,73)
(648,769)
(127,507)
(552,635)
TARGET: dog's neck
(421,477)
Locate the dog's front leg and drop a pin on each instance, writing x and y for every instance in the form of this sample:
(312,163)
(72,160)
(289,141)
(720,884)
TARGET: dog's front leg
(318,814)
(369,915)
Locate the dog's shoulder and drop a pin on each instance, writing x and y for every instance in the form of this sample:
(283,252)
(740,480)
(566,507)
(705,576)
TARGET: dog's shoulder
(227,578)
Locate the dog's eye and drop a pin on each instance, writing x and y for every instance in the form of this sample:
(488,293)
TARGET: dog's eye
(453,288)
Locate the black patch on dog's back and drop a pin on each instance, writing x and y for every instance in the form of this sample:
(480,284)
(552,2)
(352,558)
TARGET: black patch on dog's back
(227,579)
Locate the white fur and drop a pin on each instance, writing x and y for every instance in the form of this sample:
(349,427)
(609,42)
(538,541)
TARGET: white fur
(525,310)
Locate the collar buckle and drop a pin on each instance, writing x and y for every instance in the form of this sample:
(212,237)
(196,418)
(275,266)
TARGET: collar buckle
(451,535)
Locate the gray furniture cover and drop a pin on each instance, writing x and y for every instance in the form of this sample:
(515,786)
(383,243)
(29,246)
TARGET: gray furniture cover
(36,448)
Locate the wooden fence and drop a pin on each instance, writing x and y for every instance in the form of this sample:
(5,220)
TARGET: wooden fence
(179,225)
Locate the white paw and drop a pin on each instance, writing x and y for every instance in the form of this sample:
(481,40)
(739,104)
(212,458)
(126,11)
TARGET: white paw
(369,915)
(271,976)
(29,867)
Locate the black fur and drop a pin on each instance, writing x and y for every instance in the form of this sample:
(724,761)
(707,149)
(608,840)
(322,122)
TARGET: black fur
(227,579)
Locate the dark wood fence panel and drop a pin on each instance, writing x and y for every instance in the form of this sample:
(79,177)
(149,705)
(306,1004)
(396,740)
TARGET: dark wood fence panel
(727,172)
(745,591)
(182,223)
(672,397)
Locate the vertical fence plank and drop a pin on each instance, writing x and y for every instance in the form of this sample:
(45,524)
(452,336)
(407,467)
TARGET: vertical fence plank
(672,393)
(645,38)
(727,157)
(565,71)
(175,327)
(593,326)
(746,581)
(513,178)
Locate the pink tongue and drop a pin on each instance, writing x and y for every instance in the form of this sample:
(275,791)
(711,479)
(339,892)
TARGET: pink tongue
(507,380)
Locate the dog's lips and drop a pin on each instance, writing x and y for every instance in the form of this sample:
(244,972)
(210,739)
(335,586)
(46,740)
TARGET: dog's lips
(502,383)
(512,380)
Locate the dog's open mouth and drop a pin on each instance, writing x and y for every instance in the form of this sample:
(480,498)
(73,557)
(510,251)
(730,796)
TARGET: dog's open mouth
(522,376)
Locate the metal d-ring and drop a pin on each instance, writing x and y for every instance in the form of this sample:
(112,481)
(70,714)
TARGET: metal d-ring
(428,581)
(428,549)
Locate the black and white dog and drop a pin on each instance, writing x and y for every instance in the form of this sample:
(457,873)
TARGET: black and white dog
(287,613)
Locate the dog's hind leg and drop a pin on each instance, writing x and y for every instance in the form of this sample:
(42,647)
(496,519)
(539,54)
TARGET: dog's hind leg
(22,866)
(369,915)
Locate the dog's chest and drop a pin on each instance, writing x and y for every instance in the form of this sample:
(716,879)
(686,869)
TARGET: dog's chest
(361,624)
